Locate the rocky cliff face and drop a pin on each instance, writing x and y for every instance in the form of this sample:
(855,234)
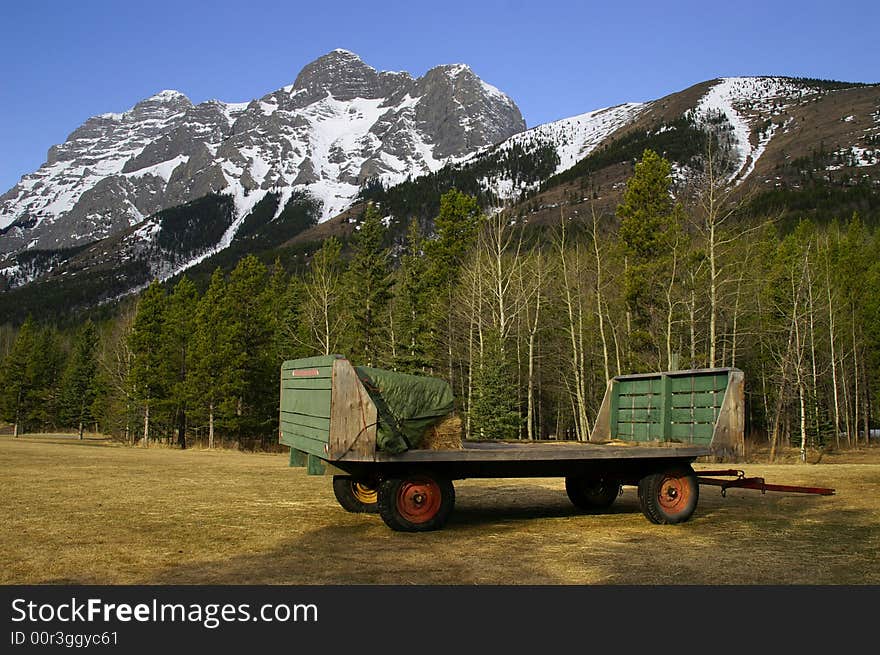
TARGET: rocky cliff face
(338,125)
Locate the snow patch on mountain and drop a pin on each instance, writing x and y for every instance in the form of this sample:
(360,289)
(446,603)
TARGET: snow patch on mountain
(573,139)
(740,99)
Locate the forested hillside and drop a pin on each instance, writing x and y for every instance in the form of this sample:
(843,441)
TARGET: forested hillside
(526,322)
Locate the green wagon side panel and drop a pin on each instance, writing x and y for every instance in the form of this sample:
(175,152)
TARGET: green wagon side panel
(306,389)
(681,407)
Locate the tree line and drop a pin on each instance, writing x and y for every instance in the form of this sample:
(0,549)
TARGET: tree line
(526,322)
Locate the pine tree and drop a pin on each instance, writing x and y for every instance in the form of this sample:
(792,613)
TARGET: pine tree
(253,378)
(209,379)
(368,288)
(649,217)
(149,370)
(79,387)
(456,228)
(16,381)
(494,413)
(40,400)
(412,302)
(179,320)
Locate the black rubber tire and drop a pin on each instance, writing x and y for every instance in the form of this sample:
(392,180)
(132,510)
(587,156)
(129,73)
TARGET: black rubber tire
(439,499)
(669,496)
(350,497)
(591,494)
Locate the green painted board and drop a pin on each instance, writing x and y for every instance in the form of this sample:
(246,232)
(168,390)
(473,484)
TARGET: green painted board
(310,362)
(698,433)
(307,383)
(699,383)
(298,457)
(646,400)
(687,400)
(304,419)
(310,403)
(315,466)
(305,431)
(626,415)
(310,446)
(641,386)
(694,415)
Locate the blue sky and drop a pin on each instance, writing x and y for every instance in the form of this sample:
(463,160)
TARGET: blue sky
(61,62)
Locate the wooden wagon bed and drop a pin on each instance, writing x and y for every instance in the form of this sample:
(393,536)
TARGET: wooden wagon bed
(493,451)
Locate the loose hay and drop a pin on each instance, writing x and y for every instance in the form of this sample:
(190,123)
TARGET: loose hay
(445,435)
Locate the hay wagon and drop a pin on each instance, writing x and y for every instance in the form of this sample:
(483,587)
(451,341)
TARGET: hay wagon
(365,427)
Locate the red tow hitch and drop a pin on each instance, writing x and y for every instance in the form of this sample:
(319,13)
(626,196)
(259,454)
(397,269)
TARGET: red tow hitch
(742,482)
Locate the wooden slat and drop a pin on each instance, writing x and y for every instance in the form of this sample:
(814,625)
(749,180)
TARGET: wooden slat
(666,408)
(709,382)
(310,446)
(695,432)
(641,401)
(642,386)
(304,419)
(614,404)
(626,415)
(602,426)
(306,431)
(307,383)
(309,362)
(315,466)
(353,416)
(694,415)
(584,451)
(728,436)
(310,403)
(684,400)
(297,457)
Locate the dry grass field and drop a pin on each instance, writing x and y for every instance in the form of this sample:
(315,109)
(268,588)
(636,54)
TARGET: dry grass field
(92,512)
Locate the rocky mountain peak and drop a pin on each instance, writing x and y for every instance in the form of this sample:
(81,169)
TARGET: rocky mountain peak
(340,73)
(162,105)
(340,125)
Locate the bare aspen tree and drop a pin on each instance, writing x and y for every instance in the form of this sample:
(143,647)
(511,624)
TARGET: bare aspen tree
(536,275)
(787,357)
(569,267)
(321,292)
(600,312)
(718,199)
(832,338)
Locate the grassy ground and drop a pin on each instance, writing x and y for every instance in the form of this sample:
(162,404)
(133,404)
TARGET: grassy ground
(92,512)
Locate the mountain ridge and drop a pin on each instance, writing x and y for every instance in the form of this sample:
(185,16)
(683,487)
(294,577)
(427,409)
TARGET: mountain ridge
(340,122)
(780,135)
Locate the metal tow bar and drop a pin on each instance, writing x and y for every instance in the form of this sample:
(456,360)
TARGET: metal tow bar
(742,482)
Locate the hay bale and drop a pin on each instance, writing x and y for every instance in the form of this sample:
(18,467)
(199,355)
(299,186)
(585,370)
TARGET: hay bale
(445,435)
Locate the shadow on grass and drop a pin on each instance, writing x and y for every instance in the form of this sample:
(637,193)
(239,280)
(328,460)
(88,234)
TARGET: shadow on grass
(534,536)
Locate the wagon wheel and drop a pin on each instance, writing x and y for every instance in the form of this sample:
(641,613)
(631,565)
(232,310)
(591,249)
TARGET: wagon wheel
(669,496)
(591,494)
(355,495)
(416,503)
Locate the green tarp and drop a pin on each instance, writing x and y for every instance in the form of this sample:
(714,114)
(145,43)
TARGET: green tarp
(407,404)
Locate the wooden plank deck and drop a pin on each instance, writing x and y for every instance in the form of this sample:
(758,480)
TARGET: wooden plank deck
(483,451)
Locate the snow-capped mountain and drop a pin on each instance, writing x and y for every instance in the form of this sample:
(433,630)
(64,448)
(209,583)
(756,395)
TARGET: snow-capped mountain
(233,179)
(339,124)
(765,125)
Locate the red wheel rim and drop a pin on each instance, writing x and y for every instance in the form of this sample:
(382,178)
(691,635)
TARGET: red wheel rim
(675,493)
(418,501)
